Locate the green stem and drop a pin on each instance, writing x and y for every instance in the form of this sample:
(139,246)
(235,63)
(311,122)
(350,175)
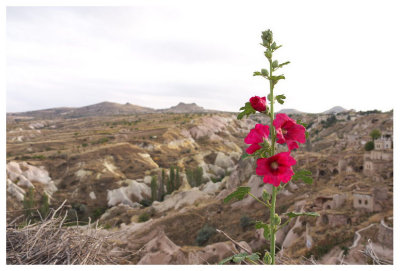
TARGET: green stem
(257,199)
(273,138)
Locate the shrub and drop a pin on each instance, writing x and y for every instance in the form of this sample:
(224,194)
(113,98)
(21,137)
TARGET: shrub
(98,212)
(145,202)
(375,134)
(369,146)
(144,217)
(204,234)
(29,203)
(195,177)
(44,206)
(330,121)
(154,187)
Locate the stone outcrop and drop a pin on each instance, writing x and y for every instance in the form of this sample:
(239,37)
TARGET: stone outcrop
(179,199)
(24,175)
(134,192)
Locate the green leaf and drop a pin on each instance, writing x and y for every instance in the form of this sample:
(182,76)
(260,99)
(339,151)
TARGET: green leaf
(302,123)
(275,79)
(239,257)
(275,64)
(253,256)
(295,214)
(239,194)
(283,64)
(280,98)
(268,54)
(304,175)
(224,261)
(247,110)
(266,196)
(257,74)
(267,258)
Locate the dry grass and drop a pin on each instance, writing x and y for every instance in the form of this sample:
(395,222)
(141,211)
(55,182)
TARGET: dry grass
(49,242)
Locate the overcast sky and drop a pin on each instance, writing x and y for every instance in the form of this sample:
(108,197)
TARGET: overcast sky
(342,52)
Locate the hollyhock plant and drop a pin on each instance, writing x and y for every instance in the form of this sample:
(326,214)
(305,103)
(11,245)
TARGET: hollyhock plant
(288,131)
(258,103)
(255,137)
(276,169)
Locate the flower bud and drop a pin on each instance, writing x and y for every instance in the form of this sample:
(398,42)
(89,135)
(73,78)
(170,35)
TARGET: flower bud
(267,37)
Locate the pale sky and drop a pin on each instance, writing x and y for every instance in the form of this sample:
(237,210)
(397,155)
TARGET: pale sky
(342,53)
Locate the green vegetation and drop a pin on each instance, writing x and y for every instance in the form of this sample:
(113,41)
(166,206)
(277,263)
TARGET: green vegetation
(97,213)
(29,203)
(204,234)
(44,206)
(102,140)
(144,217)
(145,202)
(174,180)
(370,112)
(195,176)
(329,122)
(154,188)
(161,192)
(375,134)
(369,146)
(35,210)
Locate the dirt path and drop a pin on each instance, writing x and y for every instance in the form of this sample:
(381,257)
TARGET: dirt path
(355,242)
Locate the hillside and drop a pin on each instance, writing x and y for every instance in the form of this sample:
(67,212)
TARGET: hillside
(104,167)
(104,109)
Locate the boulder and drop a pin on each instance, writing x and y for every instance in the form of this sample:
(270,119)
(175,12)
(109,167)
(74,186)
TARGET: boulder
(211,188)
(134,192)
(223,161)
(35,174)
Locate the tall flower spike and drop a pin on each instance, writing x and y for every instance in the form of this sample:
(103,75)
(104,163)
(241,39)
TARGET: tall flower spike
(256,136)
(276,169)
(288,131)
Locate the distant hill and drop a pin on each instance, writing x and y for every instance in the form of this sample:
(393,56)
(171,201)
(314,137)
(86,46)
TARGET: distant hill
(290,111)
(184,108)
(334,110)
(106,109)
(100,109)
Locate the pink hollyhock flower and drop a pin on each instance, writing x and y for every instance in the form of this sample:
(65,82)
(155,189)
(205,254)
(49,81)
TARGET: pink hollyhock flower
(276,169)
(288,131)
(258,103)
(255,137)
